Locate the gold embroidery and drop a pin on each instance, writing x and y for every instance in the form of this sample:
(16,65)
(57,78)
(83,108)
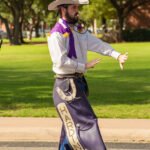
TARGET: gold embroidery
(48,34)
(66,35)
(70,97)
(70,127)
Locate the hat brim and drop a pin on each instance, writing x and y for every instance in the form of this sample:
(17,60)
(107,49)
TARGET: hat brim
(54,5)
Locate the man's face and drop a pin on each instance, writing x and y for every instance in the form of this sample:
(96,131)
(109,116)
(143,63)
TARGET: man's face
(72,14)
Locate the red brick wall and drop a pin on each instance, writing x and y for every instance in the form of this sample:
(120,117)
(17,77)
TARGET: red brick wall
(139,18)
(2,26)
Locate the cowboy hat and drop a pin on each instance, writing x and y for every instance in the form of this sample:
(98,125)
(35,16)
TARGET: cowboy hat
(56,3)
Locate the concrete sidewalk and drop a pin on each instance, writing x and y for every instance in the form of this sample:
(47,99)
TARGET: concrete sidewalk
(48,129)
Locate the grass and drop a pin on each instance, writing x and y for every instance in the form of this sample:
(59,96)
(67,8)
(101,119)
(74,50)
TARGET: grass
(26,82)
(32,41)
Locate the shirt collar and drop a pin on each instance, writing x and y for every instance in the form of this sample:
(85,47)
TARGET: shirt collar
(62,23)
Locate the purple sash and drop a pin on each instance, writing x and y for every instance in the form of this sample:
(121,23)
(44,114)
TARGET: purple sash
(63,27)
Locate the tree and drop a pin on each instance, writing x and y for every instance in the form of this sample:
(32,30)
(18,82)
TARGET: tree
(6,19)
(100,10)
(16,8)
(39,14)
(36,16)
(123,8)
(19,9)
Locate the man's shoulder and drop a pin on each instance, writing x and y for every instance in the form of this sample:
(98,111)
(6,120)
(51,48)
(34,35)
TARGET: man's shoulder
(56,36)
(58,31)
(57,28)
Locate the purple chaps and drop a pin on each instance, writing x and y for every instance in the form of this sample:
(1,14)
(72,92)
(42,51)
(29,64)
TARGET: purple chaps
(80,129)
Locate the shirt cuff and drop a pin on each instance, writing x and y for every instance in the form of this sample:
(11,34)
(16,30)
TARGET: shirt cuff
(115,54)
(80,68)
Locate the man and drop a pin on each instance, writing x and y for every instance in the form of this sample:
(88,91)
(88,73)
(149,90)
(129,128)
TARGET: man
(68,45)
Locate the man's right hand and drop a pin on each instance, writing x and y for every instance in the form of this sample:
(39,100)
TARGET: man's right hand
(92,63)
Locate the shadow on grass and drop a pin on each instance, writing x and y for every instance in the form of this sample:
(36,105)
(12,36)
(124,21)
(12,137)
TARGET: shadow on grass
(33,89)
(36,43)
(119,87)
(23,89)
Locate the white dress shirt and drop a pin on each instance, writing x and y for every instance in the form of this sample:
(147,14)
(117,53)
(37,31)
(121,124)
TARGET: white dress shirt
(59,46)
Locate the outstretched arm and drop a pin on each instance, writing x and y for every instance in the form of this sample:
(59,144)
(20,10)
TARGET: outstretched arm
(99,46)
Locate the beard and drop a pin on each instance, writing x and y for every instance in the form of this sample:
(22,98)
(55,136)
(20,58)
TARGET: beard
(71,19)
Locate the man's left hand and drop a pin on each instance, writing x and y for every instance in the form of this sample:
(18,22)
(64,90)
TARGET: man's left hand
(122,59)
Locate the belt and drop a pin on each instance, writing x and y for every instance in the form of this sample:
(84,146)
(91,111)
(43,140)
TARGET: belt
(75,75)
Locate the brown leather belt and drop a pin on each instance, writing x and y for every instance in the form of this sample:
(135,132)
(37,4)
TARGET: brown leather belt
(75,75)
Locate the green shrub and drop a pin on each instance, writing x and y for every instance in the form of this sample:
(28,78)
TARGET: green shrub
(137,35)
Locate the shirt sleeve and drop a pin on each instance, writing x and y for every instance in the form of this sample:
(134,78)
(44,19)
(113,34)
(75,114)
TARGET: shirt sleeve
(99,46)
(58,51)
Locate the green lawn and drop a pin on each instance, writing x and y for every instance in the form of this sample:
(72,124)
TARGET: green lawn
(32,41)
(26,82)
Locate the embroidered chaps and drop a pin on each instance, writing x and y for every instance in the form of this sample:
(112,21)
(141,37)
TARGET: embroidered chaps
(80,129)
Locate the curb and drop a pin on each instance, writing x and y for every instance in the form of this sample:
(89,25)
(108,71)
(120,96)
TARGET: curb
(48,130)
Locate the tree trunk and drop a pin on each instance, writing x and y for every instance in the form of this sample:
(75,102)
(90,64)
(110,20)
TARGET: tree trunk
(37,30)
(37,25)
(21,34)
(5,21)
(104,24)
(121,22)
(21,28)
(21,31)
(16,39)
(30,34)
(17,10)
(120,13)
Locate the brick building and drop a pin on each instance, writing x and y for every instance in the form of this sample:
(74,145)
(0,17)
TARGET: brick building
(2,26)
(139,18)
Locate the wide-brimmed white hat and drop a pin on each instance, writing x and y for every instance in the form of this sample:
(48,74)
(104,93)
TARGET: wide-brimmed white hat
(56,3)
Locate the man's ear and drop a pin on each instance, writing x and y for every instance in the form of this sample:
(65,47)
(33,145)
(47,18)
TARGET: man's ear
(64,9)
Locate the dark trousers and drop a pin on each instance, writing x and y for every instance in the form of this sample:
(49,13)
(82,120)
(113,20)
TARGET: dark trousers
(80,129)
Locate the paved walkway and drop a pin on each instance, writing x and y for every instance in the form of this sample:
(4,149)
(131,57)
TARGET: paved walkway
(48,129)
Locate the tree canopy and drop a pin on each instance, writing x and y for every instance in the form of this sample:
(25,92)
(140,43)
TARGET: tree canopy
(20,15)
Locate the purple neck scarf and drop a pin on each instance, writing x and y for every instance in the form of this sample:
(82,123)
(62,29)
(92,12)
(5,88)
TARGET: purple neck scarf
(63,27)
